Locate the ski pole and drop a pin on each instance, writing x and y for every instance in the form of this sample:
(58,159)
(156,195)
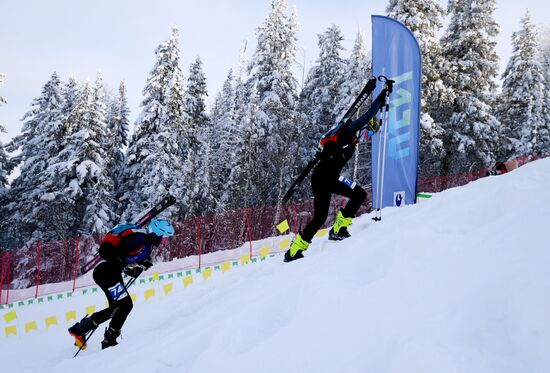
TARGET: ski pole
(380,174)
(130,282)
(377,199)
(387,114)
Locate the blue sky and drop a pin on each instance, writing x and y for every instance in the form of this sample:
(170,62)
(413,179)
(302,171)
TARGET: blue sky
(118,38)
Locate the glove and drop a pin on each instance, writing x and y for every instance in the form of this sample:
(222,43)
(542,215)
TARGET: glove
(146,264)
(373,126)
(133,270)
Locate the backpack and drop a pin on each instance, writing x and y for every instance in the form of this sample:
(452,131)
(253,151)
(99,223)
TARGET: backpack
(113,237)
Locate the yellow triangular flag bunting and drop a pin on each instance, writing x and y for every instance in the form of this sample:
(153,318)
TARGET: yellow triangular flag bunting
(155,276)
(71,315)
(149,293)
(207,273)
(30,326)
(52,320)
(134,297)
(168,288)
(187,281)
(90,309)
(10,316)
(245,259)
(283,226)
(226,266)
(264,251)
(12,329)
(284,244)
(322,232)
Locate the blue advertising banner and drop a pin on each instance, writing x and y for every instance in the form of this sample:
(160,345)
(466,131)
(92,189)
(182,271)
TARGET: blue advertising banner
(396,55)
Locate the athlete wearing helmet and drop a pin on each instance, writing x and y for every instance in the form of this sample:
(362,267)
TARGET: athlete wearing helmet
(127,248)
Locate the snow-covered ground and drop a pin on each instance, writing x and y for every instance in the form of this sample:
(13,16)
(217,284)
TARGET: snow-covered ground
(457,283)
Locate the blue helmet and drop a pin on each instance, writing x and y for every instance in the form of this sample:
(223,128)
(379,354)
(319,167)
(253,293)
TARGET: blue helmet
(161,228)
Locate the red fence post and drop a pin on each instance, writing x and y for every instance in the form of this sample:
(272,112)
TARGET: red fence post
(1,276)
(75,263)
(37,268)
(198,223)
(9,279)
(249,231)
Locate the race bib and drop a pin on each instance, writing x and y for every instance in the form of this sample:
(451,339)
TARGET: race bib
(118,291)
(347,181)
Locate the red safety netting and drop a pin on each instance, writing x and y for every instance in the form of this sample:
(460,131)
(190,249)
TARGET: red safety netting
(59,261)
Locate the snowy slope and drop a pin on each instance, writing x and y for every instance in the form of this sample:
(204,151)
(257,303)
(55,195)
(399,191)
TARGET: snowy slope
(458,283)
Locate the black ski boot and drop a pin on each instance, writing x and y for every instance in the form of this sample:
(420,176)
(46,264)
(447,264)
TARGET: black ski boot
(341,235)
(297,248)
(289,258)
(339,231)
(110,338)
(79,331)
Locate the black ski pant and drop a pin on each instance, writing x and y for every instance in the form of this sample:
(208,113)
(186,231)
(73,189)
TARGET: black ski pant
(109,278)
(323,186)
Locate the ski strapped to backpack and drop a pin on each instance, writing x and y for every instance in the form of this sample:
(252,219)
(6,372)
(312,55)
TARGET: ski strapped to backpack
(118,232)
(332,133)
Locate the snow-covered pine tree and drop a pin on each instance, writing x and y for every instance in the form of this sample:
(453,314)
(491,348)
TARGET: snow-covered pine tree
(321,93)
(223,142)
(92,172)
(320,102)
(80,185)
(4,168)
(4,172)
(469,48)
(117,132)
(198,196)
(357,71)
(237,185)
(248,155)
(153,158)
(520,110)
(177,121)
(424,19)
(59,207)
(272,81)
(544,132)
(2,99)
(40,140)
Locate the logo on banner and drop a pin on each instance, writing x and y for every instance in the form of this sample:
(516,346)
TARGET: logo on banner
(400,118)
(398,198)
